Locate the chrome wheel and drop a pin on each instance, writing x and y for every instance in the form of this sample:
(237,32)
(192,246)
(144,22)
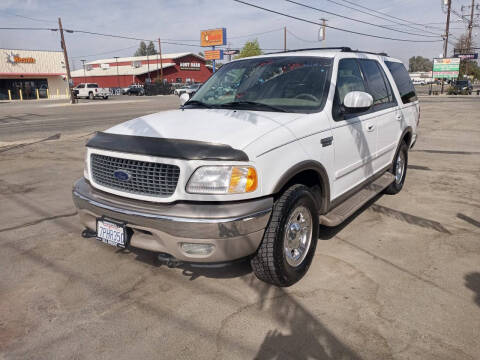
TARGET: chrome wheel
(400,167)
(298,236)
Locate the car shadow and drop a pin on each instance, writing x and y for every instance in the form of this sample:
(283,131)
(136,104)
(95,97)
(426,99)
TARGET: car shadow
(472,281)
(327,233)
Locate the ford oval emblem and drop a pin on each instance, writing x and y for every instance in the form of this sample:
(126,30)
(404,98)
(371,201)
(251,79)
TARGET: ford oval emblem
(122,175)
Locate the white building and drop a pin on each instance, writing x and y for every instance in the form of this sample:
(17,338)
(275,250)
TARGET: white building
(32,74)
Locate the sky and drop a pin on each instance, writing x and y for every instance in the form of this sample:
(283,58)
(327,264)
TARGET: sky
(182,20)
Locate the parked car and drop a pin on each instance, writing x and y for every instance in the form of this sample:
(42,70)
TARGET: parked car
(306,138)
(135,90)
(90,91)
(190,90)
(462,87)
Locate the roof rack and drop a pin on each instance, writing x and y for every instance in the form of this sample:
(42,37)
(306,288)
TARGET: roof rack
(340,48)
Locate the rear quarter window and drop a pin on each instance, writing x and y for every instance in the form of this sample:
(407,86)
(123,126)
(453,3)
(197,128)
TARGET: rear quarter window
(403,81)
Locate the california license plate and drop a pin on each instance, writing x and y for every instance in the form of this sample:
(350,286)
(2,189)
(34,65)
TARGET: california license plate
(111,233)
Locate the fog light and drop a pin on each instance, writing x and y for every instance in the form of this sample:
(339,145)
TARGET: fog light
(197,249)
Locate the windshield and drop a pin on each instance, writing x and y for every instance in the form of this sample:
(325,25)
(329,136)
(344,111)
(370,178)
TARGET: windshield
(462,82)
(293,84)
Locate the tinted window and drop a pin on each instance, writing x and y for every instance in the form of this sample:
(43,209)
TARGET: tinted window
(376,83)
(92,86)
(80,86)
(288,83)
(349,78)
(403,81)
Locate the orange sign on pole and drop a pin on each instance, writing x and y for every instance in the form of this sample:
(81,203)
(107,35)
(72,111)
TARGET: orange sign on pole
(214,54)
(213,37)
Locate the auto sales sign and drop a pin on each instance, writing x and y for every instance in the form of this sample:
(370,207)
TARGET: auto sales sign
(446,68)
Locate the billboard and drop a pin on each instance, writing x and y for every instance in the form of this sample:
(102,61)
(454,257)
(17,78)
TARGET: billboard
(446,68)
(213,37)
(472,56)
(214,54)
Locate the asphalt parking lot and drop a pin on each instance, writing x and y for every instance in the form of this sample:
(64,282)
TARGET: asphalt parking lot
(399,280)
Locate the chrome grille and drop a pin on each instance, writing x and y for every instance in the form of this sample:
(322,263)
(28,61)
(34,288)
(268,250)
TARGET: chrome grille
(145,178)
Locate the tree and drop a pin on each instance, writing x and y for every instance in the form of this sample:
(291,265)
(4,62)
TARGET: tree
(419,64)
(251,48)
(144,50)
(151,49)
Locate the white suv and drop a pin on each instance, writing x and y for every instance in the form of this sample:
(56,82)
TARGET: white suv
(268,149)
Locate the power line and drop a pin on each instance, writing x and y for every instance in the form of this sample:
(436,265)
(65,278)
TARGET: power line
(29,18)
(103,53)
(357,20)
(379,17)
(379,12)
(332,27)
(301,39)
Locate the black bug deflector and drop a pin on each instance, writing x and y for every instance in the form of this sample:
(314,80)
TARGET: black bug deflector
(169,148)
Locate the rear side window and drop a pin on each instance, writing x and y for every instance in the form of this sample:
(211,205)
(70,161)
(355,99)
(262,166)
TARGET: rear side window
(378,88)
(403,82)
(92,86)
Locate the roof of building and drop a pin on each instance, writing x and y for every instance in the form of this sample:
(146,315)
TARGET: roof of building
(140,58)
(122,70)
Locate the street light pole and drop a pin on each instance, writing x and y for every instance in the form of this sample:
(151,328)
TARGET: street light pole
(447,30)
(118,79)
(84,75)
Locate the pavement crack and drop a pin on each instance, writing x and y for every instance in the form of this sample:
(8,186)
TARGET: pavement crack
(35,222)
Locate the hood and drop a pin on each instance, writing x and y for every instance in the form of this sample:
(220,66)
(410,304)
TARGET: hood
(236,128)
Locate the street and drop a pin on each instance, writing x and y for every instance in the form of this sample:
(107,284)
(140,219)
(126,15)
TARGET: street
(398,280)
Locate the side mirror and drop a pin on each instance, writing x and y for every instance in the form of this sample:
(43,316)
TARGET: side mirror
(184,98)
(357,101)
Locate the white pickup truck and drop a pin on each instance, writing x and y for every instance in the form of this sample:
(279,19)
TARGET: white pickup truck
(268,149)
(90,91)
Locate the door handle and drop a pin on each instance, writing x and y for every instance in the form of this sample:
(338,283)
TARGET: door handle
(399,117)
(370,127)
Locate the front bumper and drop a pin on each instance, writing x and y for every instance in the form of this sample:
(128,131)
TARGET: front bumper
(235,229)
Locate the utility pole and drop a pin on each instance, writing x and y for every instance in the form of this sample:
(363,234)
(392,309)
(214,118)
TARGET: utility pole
(470,26)
(118,79)
(321,32)
(447,30)
(84,75)
(284,38)
(161,61)
(469,40)
(65,55)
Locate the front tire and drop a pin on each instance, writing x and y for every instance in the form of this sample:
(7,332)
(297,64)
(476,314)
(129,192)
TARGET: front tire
(289,241)
(399,170)
(90,96)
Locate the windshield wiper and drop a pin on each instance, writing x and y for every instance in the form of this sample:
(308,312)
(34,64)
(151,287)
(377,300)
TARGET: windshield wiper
(252,104)
(196,102)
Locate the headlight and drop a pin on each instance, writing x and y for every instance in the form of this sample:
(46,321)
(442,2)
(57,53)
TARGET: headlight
(85,167)
(223,180)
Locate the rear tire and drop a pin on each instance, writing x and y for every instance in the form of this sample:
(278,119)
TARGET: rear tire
(289,241)
(90,96)
(399,170)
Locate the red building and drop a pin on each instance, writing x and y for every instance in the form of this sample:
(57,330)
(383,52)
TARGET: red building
(122,72)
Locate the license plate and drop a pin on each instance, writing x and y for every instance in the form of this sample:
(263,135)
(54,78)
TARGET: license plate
(111,233)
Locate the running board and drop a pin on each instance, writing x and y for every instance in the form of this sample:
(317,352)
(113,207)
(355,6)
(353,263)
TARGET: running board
(346,209)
